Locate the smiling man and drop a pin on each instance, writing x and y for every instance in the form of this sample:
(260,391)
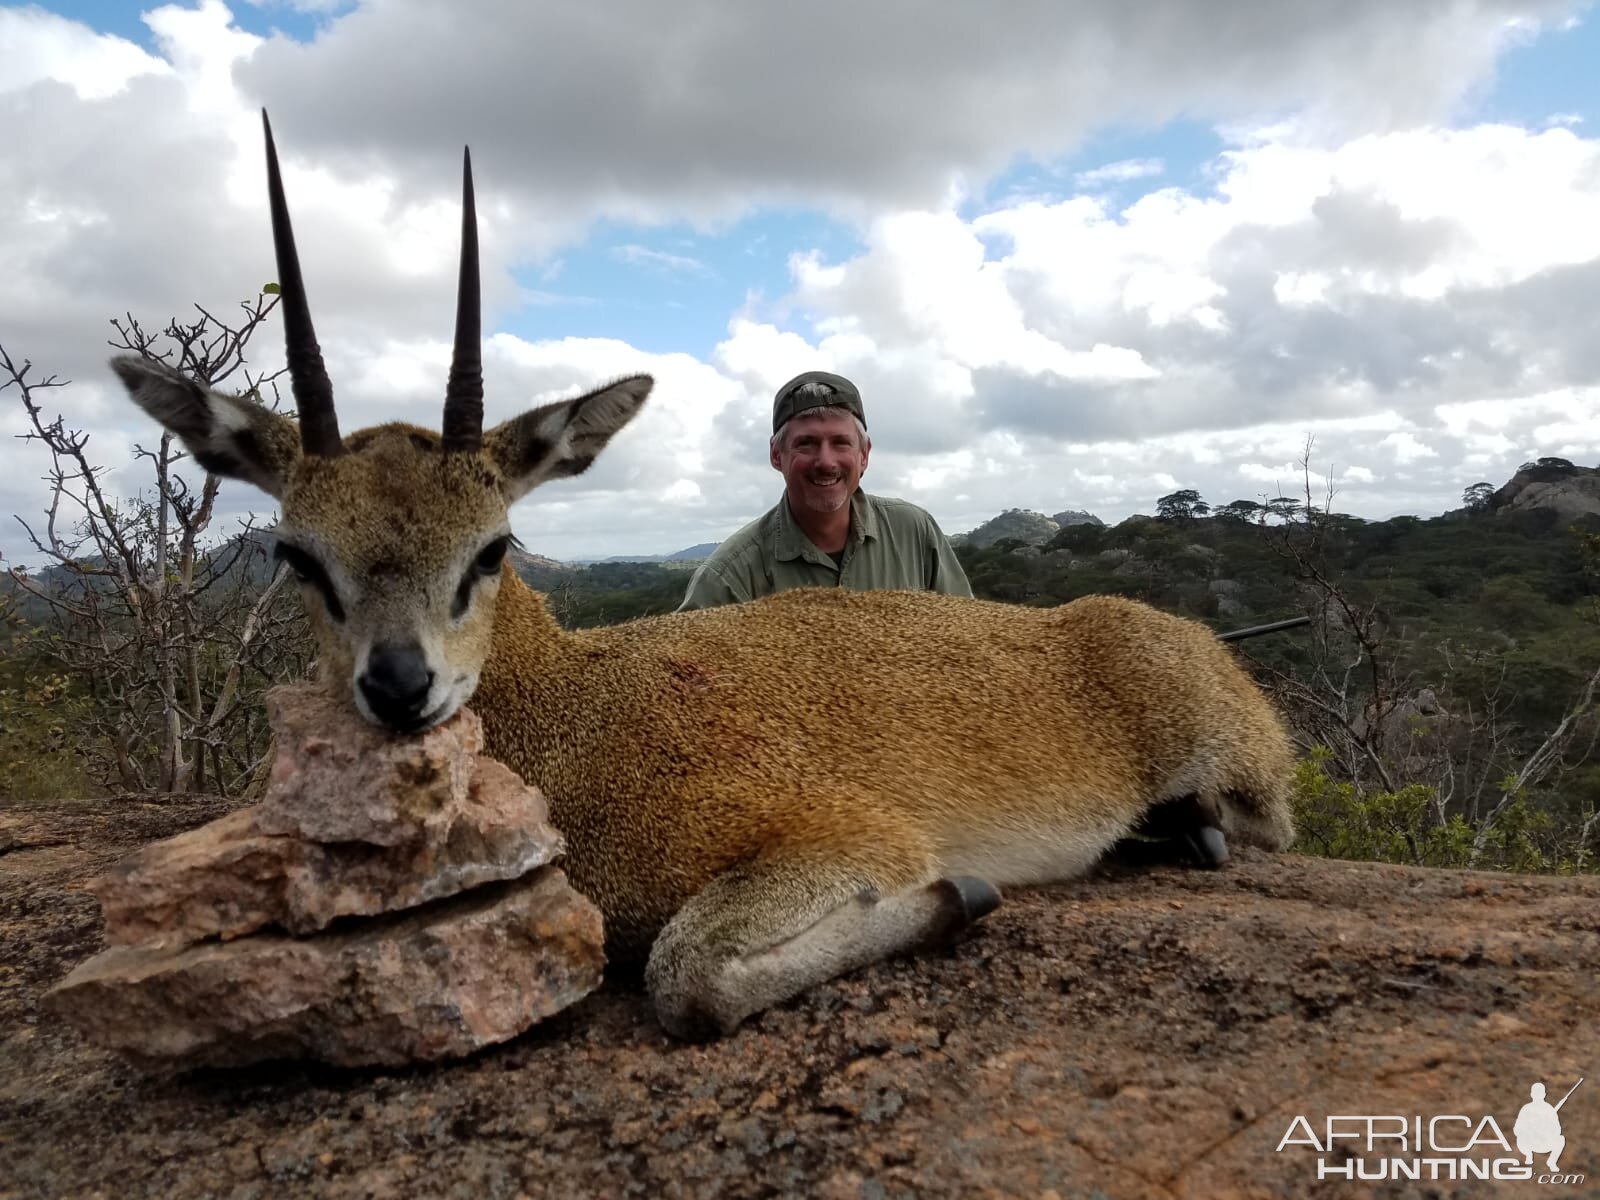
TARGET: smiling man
(826,531)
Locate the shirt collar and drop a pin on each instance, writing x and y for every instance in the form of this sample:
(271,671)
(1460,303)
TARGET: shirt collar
(791,542)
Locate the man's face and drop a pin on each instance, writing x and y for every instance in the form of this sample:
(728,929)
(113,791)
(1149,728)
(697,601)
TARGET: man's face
(822,459)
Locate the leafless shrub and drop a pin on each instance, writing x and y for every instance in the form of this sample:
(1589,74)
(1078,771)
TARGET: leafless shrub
(1358,697)
(169,629)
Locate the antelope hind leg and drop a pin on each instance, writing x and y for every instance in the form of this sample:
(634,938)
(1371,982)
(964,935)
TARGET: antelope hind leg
(1186,830)
(768,930)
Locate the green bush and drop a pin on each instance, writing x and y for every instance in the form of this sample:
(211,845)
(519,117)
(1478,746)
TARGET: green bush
(39,709)
(1334,820)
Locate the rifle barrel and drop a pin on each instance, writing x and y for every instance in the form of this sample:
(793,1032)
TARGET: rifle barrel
(1257,630)
(1568,1096)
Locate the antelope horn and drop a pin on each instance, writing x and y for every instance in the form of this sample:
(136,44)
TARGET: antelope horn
(313,393)
(463,397)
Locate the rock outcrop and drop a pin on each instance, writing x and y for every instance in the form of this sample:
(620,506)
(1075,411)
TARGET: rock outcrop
(1031,527)
(390,899)
(1570,491)
(1230,596)
(434,983)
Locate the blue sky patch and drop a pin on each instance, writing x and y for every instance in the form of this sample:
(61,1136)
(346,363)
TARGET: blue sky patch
(672,288)
(1556,74)
(123,18)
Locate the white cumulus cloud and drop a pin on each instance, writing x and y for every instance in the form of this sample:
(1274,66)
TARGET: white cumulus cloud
(1416,296)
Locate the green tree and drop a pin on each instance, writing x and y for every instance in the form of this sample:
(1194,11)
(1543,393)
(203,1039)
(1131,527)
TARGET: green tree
(1246,511)
(1286,508)
(1183,505)
(1079,539)
(1547,470)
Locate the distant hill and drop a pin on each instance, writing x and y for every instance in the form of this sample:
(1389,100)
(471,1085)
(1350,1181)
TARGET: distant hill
(1570,491)
(243,557)
(1076,516)
(689,554)
(522,562)
(1022,524)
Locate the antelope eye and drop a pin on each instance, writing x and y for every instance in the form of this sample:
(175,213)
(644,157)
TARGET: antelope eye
(491,556)
(486,564)
(308,570)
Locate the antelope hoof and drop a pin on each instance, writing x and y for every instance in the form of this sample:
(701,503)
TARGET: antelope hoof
(970,899)
(1208,845)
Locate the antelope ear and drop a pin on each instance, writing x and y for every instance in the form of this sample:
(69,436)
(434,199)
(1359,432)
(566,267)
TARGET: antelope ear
(227,435)
(562,439)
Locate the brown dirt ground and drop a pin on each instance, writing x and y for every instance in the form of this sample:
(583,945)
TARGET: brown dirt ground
(1144,1033)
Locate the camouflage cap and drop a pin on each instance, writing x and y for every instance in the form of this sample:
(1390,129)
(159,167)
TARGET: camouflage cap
(815,389)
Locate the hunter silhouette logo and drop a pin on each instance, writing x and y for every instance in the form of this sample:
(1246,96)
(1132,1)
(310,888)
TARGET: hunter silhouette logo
(1447,1146)
(1538,1128)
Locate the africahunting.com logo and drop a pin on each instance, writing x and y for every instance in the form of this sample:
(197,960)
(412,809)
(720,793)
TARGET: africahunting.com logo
(1447,1146)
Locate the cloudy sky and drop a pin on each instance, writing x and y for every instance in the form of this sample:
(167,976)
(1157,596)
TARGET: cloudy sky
(1076,256)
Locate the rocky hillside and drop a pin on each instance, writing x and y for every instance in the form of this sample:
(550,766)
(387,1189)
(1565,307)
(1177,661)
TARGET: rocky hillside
(522,562)
(1020,523)
(1570,491)
(689,554)
(1076,516)
(1145,1033)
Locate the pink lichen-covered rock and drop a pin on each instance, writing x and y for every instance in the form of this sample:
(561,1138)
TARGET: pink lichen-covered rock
(433,983)
(419,870)
(337,778)
(231,878)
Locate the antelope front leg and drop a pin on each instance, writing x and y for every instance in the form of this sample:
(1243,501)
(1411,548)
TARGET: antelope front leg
(768,930)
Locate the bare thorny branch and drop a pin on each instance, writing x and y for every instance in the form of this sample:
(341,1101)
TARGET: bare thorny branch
(1352,685)
(1542,762)
(1352,694)
(165,632)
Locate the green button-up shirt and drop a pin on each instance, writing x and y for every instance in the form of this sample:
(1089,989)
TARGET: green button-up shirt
(892,544)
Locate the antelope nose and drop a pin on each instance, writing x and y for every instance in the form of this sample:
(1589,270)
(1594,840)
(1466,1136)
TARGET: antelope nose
(396,684)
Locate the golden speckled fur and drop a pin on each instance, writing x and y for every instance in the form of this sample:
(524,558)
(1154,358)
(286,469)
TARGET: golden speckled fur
(962,736)
(764,795)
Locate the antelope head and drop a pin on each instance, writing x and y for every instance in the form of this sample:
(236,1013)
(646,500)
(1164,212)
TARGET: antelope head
(397,534)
